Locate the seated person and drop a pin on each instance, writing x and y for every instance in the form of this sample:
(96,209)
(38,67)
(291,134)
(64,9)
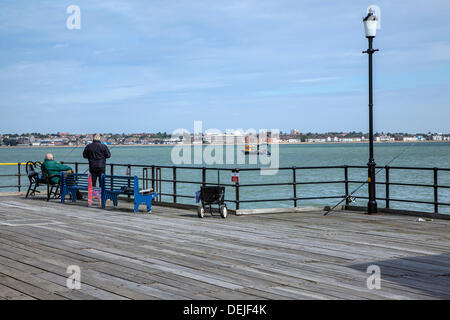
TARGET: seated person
(54,168)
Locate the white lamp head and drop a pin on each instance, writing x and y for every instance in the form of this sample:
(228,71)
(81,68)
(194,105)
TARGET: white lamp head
(370,24)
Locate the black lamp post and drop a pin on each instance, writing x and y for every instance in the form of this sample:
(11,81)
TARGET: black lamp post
(370,27)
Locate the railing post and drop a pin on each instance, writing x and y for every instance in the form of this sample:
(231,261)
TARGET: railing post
(153,177)
(18,175)
(76,167)
(435,187)
(129,174)
(387,186)
(174,184)
(237,190)
(347,200)
(294,185)
(144,178)
(112,173)
(156,182)
(159,180)
(203,176)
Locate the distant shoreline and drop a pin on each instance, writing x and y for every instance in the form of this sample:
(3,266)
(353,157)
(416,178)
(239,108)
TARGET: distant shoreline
(205,144)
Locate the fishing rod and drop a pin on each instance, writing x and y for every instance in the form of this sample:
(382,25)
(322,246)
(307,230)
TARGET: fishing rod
(70,152)
(364,183)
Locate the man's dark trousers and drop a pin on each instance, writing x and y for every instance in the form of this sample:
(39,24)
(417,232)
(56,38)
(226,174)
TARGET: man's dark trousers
(97,173)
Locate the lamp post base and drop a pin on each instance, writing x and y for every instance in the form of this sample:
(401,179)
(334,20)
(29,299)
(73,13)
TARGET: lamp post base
(372,204)
(372,207)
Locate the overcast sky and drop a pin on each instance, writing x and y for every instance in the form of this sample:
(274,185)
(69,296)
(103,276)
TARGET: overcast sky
(153,66)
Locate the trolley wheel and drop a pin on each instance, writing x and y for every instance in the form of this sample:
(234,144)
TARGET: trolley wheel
(201,211)
(223,211)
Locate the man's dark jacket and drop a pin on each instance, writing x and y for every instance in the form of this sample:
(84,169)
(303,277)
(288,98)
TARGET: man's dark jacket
(97,153)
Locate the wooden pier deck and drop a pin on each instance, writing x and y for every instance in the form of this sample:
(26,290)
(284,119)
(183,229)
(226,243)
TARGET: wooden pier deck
(172,254)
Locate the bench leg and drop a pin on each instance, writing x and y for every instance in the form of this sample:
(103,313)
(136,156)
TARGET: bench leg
(74,195)
(28,191)
(52,190)
(57,195)
(49,191)
(33,192)
(136,207)
(63,195)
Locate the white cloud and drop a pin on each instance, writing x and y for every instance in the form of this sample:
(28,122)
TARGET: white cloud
(49,110)
(229,54)
(438,51)
(313,80)
(61,45)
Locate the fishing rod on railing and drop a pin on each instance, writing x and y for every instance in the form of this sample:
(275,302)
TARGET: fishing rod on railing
(350,196)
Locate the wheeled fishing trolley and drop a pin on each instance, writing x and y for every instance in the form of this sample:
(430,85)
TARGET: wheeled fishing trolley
(212,195)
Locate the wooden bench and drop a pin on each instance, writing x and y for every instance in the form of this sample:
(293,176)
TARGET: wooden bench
(71,183)
(113,186)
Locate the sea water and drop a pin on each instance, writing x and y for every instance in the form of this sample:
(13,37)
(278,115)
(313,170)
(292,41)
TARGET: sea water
(423,154)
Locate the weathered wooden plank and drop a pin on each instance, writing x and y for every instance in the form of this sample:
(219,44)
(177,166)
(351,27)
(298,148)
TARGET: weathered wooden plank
(27,289)
(7,293)
(171,254)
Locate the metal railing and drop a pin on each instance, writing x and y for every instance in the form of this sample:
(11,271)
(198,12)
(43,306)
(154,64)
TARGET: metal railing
(435,186)
(152,176)
(19,175)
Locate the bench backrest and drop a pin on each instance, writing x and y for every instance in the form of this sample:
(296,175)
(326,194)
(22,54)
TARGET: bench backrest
(123,184)
(75,179)
(40,166)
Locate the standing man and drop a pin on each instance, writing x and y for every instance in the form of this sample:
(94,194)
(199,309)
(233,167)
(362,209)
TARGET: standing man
(96,153)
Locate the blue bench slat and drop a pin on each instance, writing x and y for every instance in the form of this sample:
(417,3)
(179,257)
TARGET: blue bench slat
(72,182)
(112,187)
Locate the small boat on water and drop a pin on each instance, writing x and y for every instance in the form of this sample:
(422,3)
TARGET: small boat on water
(251,150)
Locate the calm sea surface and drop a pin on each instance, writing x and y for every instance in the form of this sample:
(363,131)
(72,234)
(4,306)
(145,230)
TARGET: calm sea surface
(414,155)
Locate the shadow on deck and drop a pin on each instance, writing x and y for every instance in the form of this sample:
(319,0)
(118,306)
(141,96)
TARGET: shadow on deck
(428,274)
